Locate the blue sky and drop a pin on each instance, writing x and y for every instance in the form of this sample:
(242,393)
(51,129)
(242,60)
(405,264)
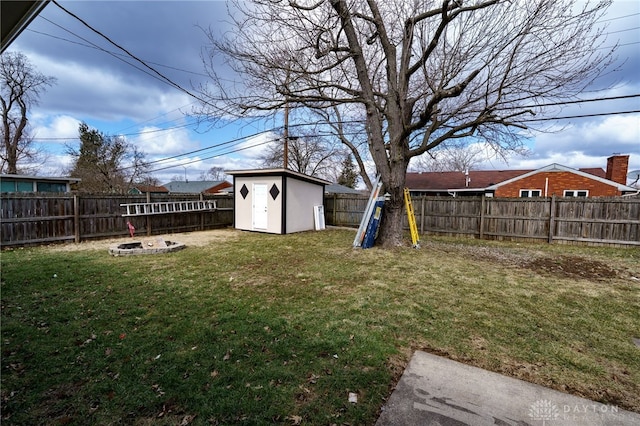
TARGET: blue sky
(95,86)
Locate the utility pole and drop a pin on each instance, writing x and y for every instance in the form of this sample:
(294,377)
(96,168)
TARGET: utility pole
(286,136)
(285,132)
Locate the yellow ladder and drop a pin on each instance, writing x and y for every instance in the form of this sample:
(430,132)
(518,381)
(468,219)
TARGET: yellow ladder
(415,238)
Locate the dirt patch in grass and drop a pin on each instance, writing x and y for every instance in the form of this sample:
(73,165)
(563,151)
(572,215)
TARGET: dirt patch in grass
(190,239)
(573,267)
(563,266)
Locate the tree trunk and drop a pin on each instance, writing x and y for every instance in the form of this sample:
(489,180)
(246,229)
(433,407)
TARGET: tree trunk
(391,228)
(391,232)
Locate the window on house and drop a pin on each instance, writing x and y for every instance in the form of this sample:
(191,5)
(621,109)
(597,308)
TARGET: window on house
(526,193)
(576,193)
(51,187)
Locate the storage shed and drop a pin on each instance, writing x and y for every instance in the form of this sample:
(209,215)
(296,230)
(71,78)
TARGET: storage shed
(277,201)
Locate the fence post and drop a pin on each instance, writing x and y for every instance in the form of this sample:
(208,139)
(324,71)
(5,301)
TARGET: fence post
(552,216)
(422,215)
(148,217)
(482,204)
(76,218)
(201,214)
(333,211)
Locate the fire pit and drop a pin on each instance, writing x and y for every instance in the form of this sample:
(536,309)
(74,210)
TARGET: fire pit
(150,246)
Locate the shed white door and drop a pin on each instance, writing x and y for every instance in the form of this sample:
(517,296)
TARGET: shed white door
(260,197)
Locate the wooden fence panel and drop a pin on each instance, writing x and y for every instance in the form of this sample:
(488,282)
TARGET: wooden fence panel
(344,209)
(47,218)
(598,220)
(516,218)
(612,221)
(448,215)
(43,219)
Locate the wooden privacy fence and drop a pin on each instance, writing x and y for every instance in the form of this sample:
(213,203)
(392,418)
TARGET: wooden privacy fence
(40,218)
(610,221)
(27,219)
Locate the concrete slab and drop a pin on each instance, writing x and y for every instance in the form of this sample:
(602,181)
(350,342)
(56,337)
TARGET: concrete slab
(437,391)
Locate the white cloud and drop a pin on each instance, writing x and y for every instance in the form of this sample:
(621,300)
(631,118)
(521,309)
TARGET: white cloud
(253,147)
(94,92)
(155,141)
(597,139)
(624,129)
(58,126)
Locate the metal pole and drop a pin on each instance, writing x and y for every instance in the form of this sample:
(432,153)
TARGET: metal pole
(285,160)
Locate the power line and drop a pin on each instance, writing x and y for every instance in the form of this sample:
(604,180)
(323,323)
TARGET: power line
(620,17)
(622,31)
(579,101)
(119,57)
(121,134)
(90,45)
(237,140)
(131,55)
(217,154)
(210,157)
(233,141)
(582,116)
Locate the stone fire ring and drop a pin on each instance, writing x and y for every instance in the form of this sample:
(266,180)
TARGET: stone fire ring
(150,246)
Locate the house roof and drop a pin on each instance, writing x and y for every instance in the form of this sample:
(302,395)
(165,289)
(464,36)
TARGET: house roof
(151,188)
(16,16)
(40,178)
(194,187)
(560,168)
(480,180)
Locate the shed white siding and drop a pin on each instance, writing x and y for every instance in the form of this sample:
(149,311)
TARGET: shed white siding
(301,197)
(245,206)
(290,198)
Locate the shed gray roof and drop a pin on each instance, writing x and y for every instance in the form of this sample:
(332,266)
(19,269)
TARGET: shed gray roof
(336,188)
(277,172)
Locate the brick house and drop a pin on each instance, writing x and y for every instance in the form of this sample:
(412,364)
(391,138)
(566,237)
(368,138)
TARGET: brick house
(554,179)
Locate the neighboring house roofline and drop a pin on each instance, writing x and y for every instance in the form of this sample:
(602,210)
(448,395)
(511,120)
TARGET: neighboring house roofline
(194,187)
(31,177)
(336,188)
(555,167)
(149,188)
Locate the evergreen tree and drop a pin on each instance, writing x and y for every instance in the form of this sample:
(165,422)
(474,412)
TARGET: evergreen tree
(106,163)
(349,175)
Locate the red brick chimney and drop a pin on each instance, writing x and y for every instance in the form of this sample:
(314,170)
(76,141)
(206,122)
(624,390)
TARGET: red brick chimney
(617,167)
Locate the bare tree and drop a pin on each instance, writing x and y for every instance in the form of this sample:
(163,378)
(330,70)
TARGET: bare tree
(21,86)
(458,156)
(214,173)
(349,130)
(307,153)
(417,73)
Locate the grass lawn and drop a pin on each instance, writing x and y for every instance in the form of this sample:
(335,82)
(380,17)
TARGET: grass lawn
(262,329)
